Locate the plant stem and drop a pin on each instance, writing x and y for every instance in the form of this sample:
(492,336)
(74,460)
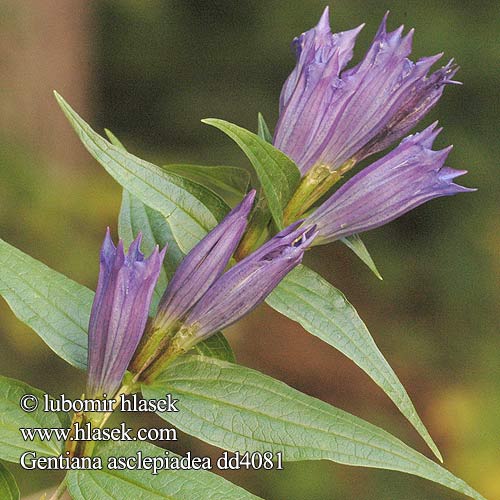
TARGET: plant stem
(124,390)
(59,491)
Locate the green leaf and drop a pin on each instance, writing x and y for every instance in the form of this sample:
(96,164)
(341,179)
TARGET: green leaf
(191,209)
(136,217)
(355,243)
(304,296)
(230,183)
(240,409)
(216,346)
(57,308)
(8,485)
(278,175)
(12,418)
(263,129)
(141,484)
(114,140)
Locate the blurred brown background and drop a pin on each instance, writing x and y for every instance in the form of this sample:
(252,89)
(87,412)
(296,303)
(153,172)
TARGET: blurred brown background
(150,71)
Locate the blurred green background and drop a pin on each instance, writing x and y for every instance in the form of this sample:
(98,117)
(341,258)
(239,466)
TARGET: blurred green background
(150,71)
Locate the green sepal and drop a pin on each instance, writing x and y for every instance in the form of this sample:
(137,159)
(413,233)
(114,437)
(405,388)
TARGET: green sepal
(355,243)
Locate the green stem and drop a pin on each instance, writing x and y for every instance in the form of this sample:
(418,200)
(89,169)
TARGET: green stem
(97,420)
(59,491)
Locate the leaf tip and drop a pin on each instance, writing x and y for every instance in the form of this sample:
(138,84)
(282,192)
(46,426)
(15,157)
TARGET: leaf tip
(58,97)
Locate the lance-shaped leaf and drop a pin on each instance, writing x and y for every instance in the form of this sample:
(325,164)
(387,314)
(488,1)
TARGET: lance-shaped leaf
(240,409)
(216,346)
(56,307)
(12,419)
(190,208)
(230,183)
(8,485)
(263,130)
(278,175)
(108,484)
(304,296)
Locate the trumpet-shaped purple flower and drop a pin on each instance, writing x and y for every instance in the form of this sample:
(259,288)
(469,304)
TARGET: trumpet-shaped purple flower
(405,178)
(202,266)
(331,116)
(248,283)
(119,312)
(201,299)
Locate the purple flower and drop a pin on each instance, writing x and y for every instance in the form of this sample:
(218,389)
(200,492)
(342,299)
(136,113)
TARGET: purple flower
(201,299)
(405,178)
(119,312)
(247,284)
(331,116)
(202,266)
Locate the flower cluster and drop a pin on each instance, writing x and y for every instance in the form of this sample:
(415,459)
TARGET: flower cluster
(200,299)
(330,119)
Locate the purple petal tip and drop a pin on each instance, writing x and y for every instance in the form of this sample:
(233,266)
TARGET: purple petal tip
(324,21)
(163,252)
(250,197)
(382,29)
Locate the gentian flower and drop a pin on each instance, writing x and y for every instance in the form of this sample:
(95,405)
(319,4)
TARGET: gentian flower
(119,312)
(248,283)
(203,265)
(197,272)
(333,117)
(405,178)
(201,299)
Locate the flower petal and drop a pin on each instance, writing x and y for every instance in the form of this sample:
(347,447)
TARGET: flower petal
(202,266)
(405,178)
(249,282)
(330,116)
